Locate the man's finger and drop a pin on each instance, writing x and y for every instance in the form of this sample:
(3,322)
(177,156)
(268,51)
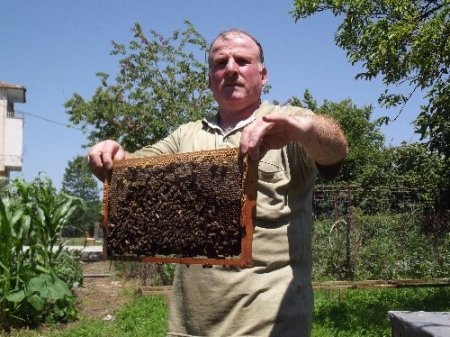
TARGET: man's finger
(107,158)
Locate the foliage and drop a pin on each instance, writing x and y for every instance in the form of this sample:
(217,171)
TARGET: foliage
(78,181)
(401,41)
(364,137)
(379,246)
(68,268)
(160,85)
(415,166)
(370,164)
(32,289)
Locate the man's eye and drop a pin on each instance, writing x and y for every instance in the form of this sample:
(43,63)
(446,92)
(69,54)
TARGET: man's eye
(220,63)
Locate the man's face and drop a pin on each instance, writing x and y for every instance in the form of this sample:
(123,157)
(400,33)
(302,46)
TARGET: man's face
(236,75)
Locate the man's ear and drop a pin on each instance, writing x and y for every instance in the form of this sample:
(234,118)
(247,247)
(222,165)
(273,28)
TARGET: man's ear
(263,73)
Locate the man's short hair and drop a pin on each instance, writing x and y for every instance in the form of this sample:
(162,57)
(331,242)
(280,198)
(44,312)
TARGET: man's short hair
(237,31)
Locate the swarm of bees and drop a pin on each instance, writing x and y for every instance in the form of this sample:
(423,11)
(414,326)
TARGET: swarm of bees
(179,208)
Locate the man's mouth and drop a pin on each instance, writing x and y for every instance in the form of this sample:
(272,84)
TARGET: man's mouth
(232,84)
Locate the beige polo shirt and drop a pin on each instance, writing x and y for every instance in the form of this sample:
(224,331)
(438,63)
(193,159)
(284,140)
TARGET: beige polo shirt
(273,297)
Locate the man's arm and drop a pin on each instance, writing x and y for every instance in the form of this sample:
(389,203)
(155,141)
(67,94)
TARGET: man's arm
(320,136)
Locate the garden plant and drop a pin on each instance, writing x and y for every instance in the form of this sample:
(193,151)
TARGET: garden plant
(37,274)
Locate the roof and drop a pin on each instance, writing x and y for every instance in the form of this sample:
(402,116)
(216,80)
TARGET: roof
(5,85)
(15,92)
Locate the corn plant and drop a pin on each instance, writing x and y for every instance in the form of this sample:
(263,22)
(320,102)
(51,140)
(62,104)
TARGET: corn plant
(10,242)
(32,217)
(50,212)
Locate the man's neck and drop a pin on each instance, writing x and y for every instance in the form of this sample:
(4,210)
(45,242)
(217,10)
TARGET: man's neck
(229,118)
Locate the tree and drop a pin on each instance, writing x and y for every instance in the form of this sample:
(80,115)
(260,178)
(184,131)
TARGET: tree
(78,181)
(413,165)
(363,135)
(403,41)
(162,83)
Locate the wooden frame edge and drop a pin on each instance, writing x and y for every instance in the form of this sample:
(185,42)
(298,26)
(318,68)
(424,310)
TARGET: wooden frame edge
(250,180)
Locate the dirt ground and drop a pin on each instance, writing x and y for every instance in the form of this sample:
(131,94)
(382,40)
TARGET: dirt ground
(103,292)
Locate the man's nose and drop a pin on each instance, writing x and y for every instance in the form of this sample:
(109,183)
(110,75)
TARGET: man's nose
(231,67)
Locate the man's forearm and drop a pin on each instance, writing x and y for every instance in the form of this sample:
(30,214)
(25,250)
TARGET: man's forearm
(323,140)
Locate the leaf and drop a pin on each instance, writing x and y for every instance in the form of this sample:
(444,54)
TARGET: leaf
(36,302)
(161,83)
(49,287)
(16,296)
(398,42)
(383,120)
(61,288)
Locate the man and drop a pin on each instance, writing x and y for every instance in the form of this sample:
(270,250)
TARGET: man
(274,296)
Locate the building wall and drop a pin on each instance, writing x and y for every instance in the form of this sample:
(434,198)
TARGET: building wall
(3,109)
(11,137)
(13,143)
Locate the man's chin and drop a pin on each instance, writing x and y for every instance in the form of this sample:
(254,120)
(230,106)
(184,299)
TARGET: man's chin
(233,93)
(232,98)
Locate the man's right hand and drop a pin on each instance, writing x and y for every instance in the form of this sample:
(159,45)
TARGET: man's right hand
(101,157)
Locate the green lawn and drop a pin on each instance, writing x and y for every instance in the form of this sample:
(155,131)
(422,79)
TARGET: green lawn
(359,313)
(364,312)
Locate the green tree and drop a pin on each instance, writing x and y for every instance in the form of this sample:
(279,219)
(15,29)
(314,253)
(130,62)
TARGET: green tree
(371,164)
(363,135)
(401,42)
(161,83)
(414,166)
(78,181)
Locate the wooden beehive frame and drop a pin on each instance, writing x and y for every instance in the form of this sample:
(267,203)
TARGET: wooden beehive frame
(248,204)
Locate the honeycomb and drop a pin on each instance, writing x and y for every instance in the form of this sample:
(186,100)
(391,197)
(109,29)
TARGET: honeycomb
(188,208)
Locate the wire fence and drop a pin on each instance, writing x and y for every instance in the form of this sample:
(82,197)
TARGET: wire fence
(379,233)
(335,200)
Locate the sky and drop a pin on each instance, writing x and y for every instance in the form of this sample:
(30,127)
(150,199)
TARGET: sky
(55,47)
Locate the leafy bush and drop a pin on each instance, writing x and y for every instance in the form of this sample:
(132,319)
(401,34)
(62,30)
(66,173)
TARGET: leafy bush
(378,246)
(68,268)
(33,282)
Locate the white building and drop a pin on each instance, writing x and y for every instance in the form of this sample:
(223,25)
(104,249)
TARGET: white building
(11,128)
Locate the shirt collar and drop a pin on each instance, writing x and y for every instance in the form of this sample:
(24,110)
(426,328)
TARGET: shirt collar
(213,122)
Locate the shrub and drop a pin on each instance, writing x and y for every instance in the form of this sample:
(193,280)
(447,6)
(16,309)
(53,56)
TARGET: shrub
(378,246)
(36,276)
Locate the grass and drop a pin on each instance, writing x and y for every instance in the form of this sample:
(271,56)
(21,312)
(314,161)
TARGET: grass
(145,316)
(360,313)
(364,312)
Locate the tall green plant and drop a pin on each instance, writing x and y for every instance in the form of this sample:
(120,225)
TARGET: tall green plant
(50,213)
(31,219)
(15,229)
